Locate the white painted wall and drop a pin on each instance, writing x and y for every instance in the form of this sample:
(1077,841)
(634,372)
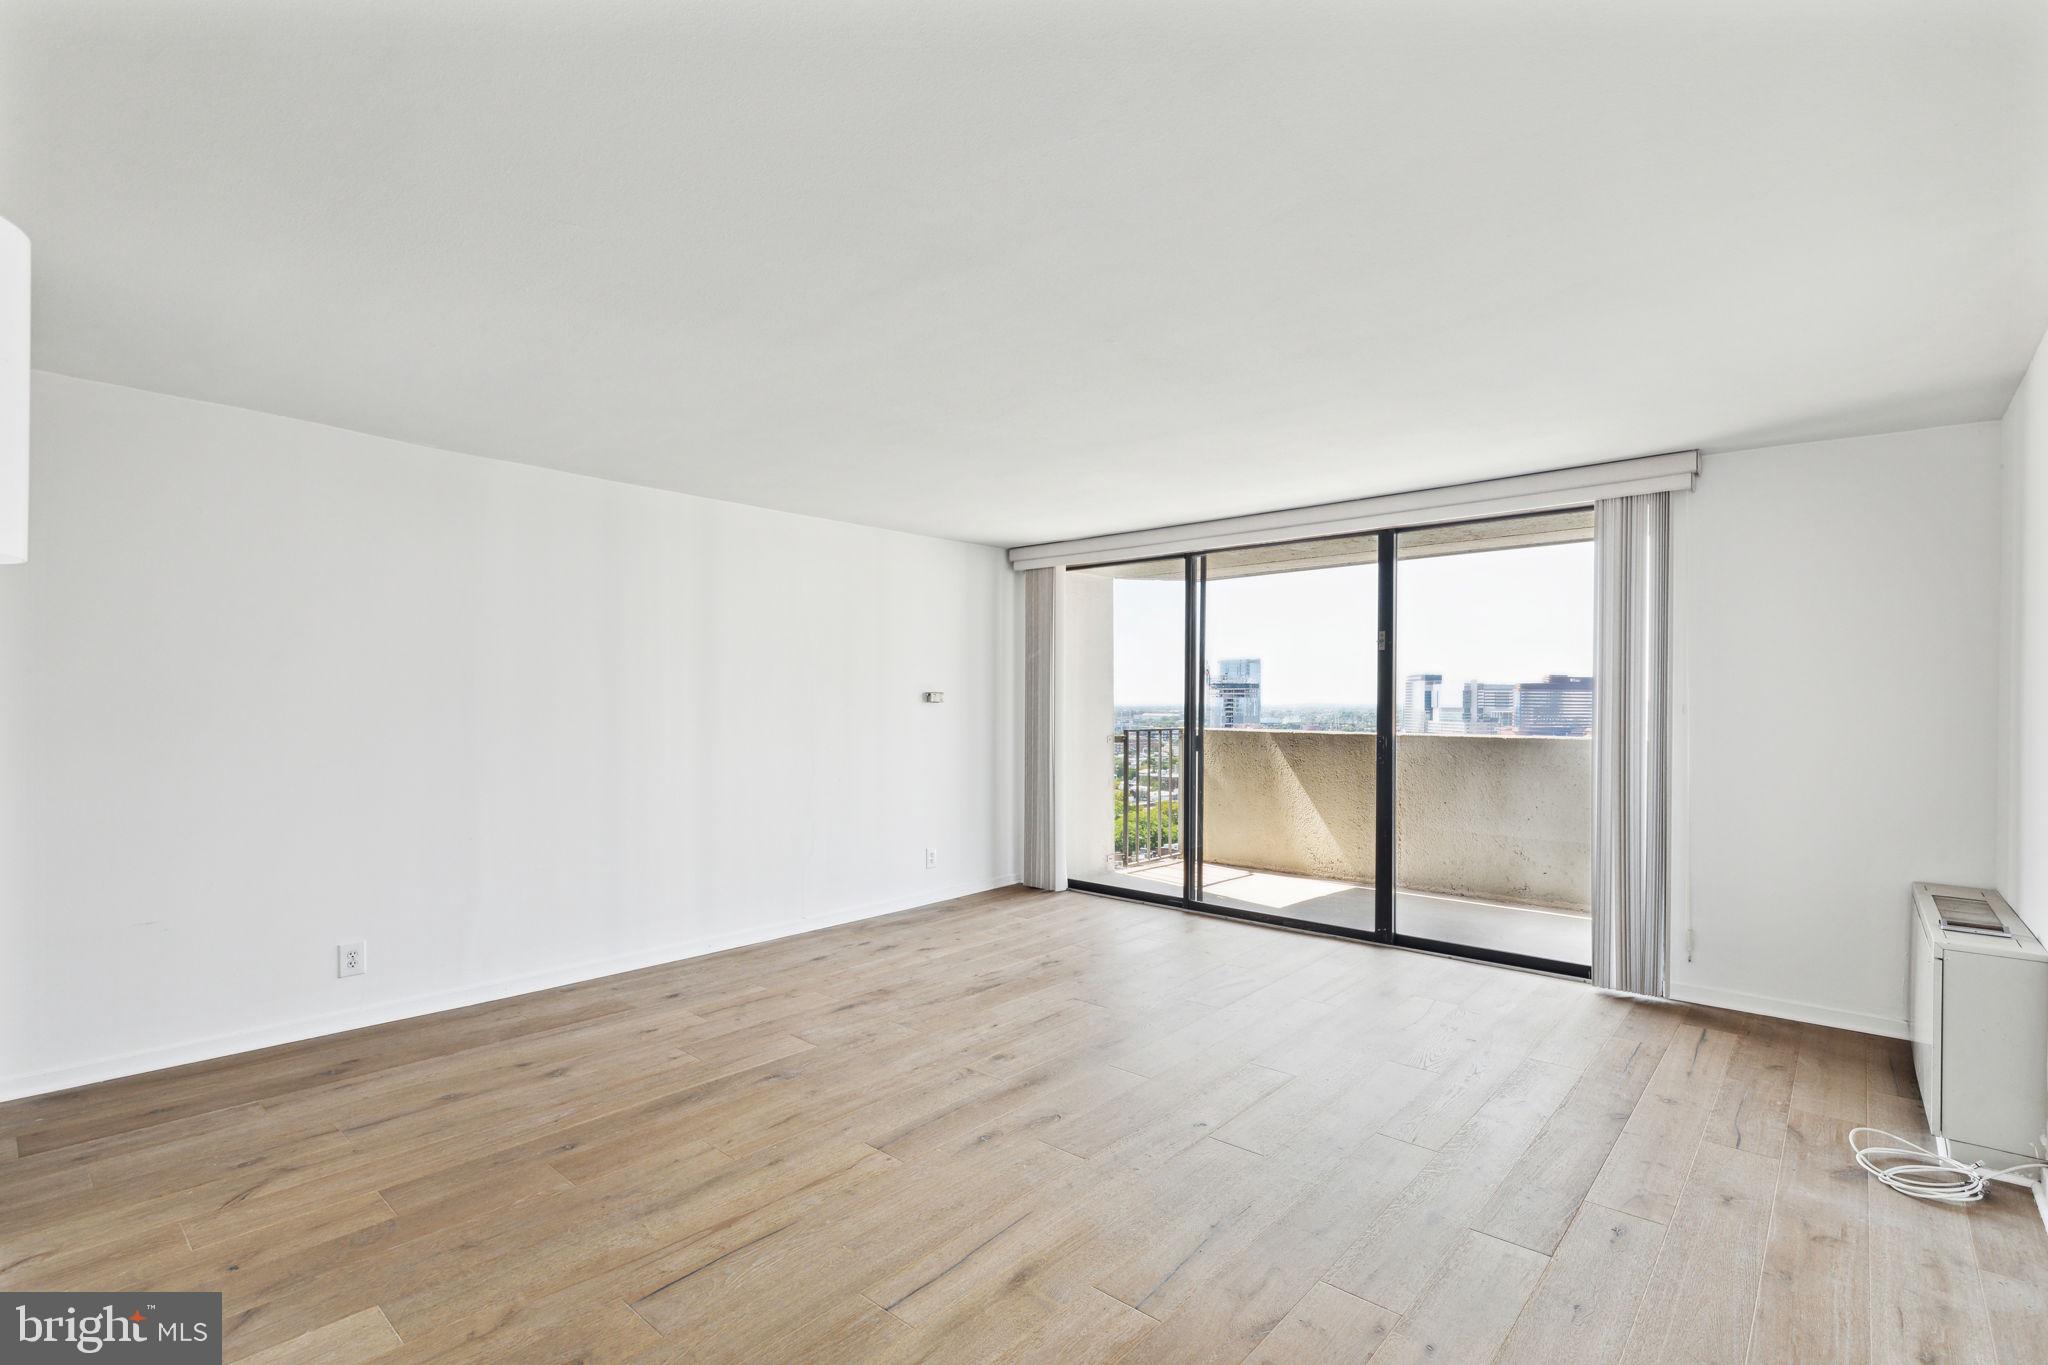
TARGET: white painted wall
(1837,673)
(266,686)
(2023,700)
(14,336)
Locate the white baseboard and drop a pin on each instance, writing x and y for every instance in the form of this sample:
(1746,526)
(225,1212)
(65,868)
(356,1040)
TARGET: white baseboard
(434,1002)
(1797,1010)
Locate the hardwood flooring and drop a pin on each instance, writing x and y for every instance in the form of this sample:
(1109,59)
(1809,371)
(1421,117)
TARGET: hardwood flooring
(1033,1127)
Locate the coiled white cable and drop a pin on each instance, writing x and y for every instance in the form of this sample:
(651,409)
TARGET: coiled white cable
(1911,1169)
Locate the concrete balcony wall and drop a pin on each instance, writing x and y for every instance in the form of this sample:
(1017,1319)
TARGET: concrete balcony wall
(1491,817)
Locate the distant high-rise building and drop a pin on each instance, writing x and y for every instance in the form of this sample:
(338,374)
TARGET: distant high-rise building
(1559,705)
(1234,694)
(1489,708)
(1419,702)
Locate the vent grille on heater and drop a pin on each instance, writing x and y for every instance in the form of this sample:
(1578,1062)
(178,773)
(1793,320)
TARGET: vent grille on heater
(1967,915)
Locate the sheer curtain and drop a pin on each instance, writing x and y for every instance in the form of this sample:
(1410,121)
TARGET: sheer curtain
(1631,726)
(1045,862)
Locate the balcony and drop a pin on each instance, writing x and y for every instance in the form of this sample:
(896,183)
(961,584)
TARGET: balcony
(1495,835)
(1499,818)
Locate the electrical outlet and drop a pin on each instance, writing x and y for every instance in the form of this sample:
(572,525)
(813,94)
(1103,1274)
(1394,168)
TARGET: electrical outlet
(350,959)
(931,859)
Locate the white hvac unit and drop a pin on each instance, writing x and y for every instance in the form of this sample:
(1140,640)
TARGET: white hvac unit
(1979,1021)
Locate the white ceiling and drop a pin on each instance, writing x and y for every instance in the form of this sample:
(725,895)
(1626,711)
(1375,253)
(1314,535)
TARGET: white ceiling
(1016,270)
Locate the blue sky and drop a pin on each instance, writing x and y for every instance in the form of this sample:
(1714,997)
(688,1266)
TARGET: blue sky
(1498,616)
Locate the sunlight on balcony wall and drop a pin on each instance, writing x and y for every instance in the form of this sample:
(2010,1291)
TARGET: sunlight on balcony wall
(1487,817)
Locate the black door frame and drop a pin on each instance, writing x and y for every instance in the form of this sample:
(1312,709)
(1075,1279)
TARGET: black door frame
(1385,930)
(1195,603)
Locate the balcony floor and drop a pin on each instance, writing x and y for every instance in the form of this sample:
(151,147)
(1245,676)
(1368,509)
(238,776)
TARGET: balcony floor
(1560,935)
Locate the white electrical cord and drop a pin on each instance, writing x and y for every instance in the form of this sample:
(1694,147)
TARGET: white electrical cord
(1911,1169)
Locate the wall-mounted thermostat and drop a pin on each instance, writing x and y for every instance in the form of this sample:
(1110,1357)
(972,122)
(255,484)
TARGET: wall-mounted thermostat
(935,696)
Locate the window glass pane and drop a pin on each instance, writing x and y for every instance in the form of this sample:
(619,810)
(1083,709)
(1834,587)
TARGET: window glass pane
(1122,723)
(1290,707)
(1494,778)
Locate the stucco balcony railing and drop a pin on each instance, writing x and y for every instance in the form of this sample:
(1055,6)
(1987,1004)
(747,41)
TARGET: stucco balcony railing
(1501,818)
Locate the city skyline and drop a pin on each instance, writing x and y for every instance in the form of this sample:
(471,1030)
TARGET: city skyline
(1558,704)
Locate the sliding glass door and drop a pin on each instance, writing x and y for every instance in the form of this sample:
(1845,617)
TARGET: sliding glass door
(1494,778)
(1290,708)
(1384,736)
(1124,751)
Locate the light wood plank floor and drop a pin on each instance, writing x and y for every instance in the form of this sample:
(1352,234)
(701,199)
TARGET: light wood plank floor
(1025,1126)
